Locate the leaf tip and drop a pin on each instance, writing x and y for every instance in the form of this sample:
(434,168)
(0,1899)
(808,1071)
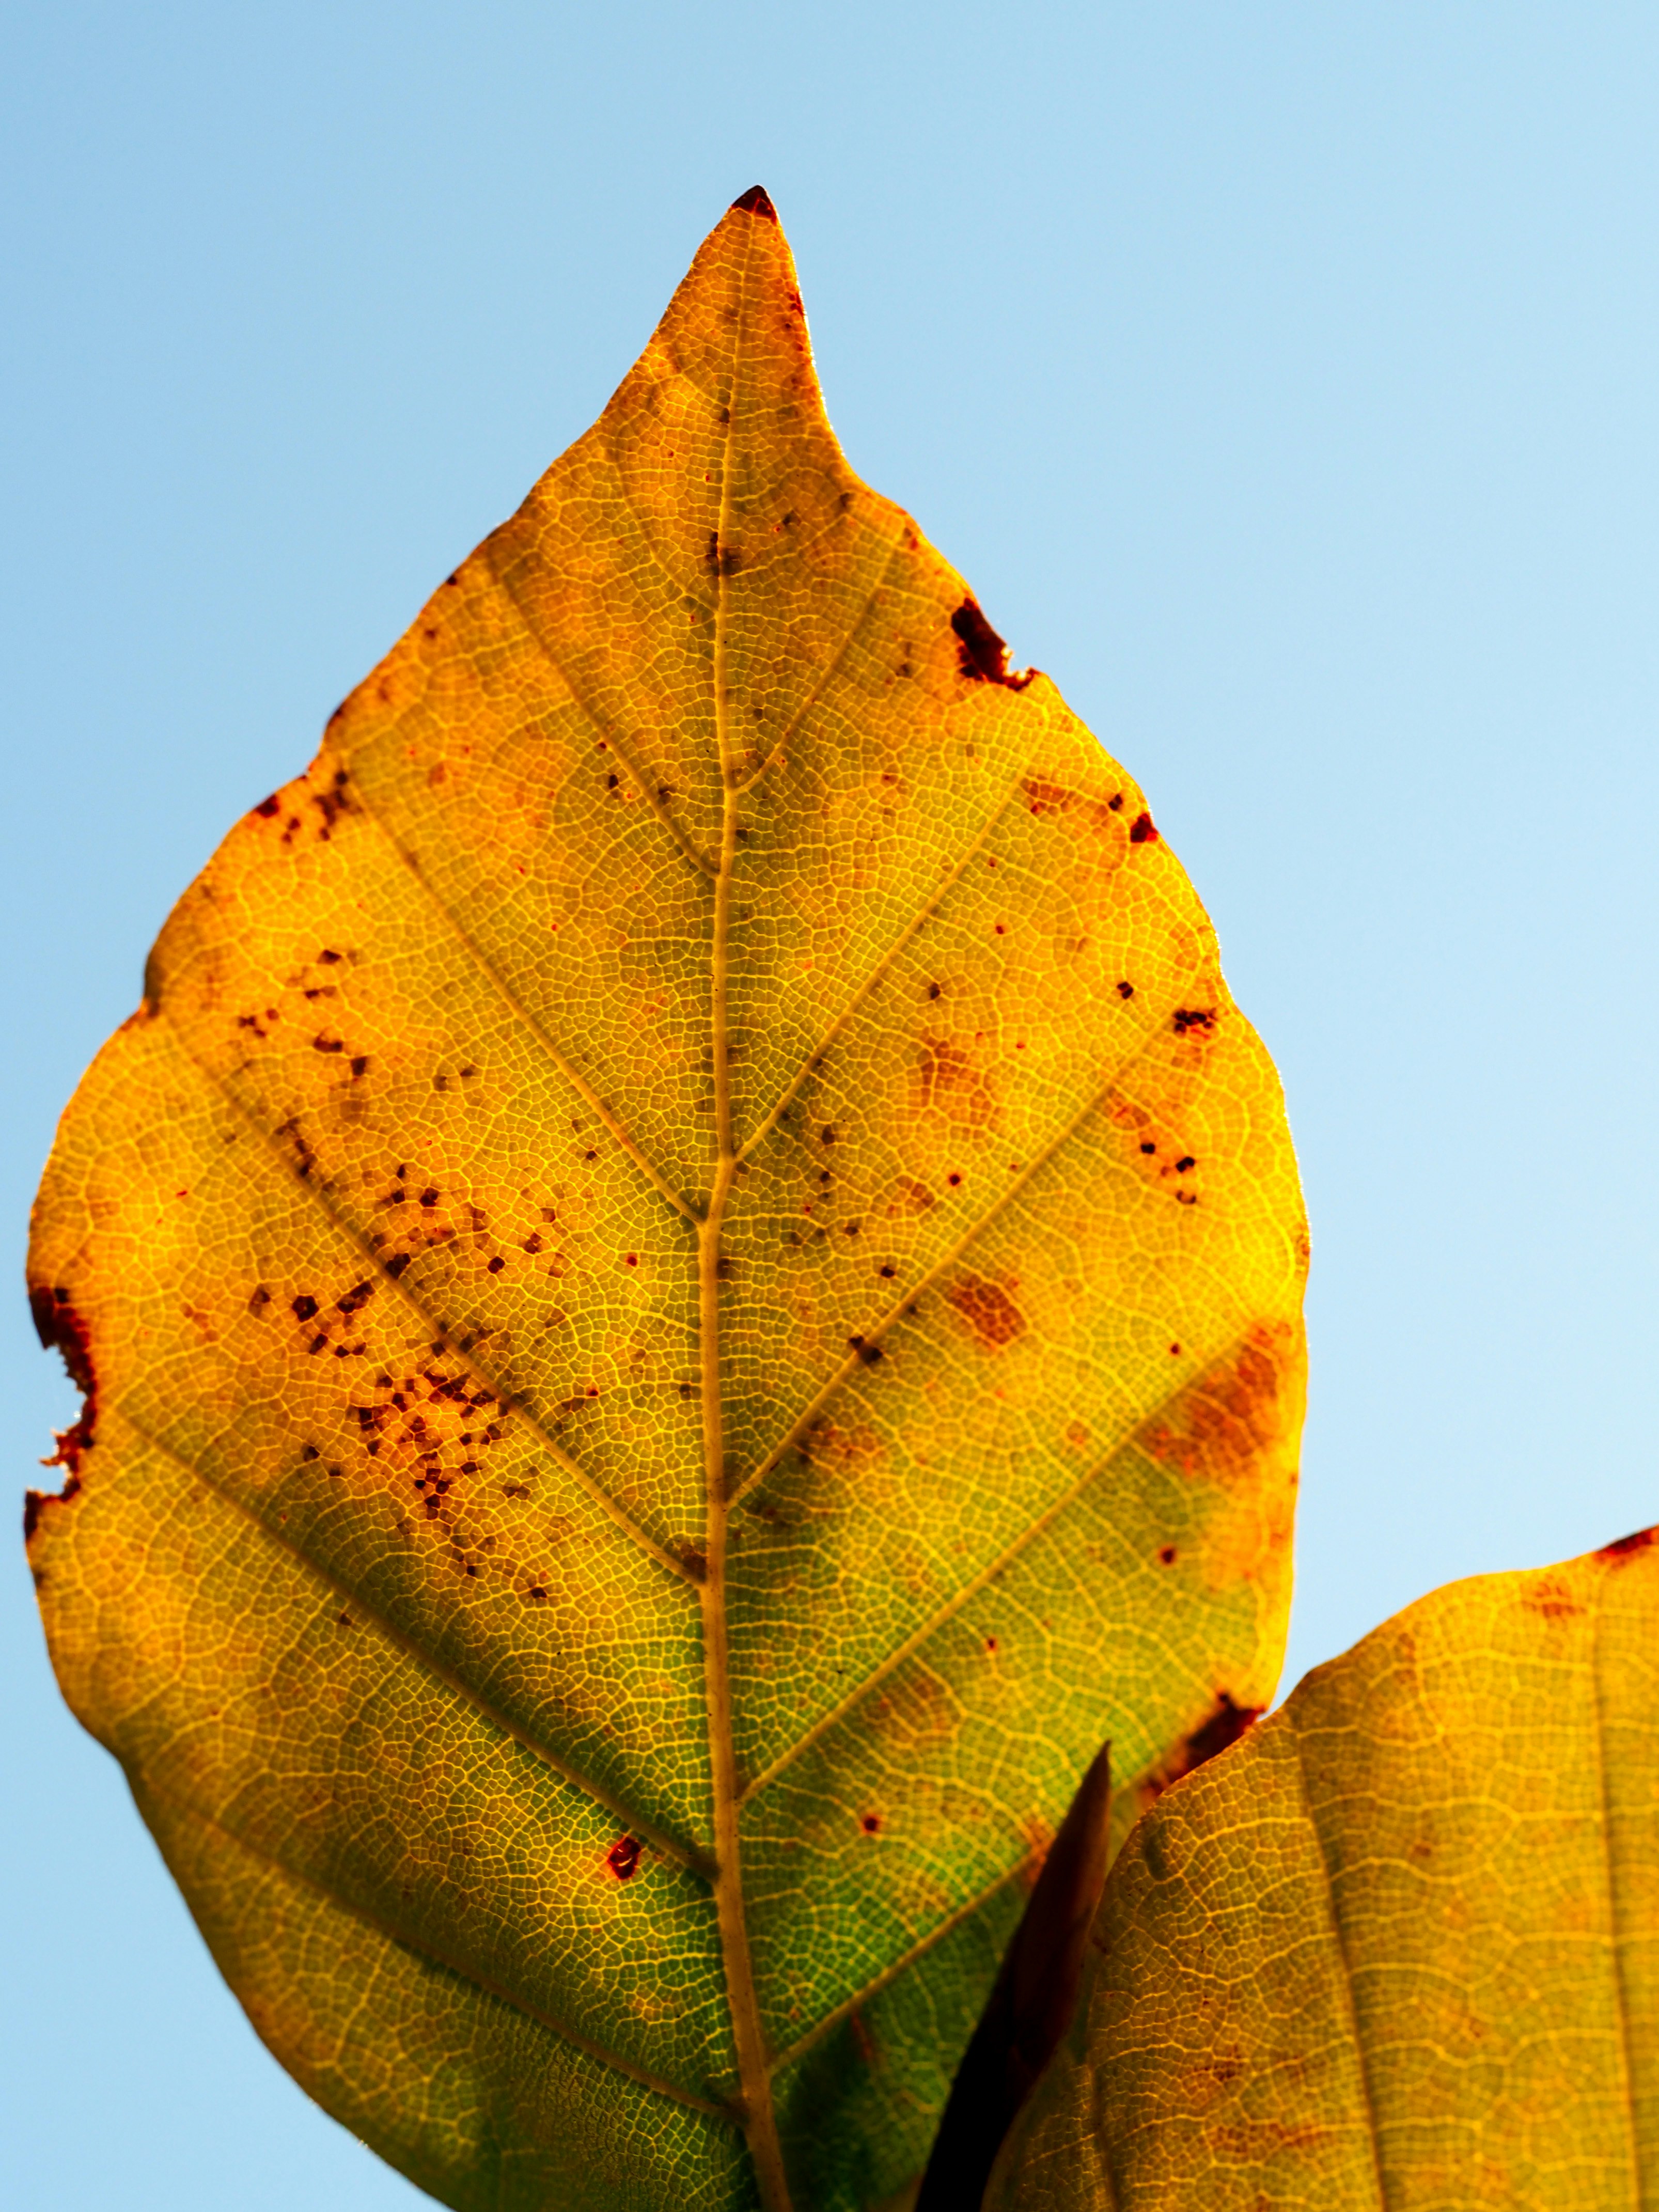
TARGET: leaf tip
(757,201)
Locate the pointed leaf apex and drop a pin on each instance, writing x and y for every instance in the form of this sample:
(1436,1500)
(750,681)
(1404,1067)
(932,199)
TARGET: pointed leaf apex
(757,201)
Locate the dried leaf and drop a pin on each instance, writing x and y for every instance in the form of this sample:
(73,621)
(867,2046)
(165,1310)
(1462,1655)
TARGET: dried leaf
(688,1283)
(1401,1946)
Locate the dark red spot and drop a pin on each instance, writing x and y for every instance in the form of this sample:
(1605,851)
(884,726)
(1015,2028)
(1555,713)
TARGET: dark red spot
(1192,1017)
(871,1824)
(869,1354)
(60,1328)
(756,201)
(953,1179)
(1168,1555)
(396,1264)
(1185,1162)
(360,1064)
(980,653)
(269,806)
(1623,1548)
(1223,1730)
(1148,1147)
(303,1308)
(1225,1724)
(632,1258)
(990,1643)
(496,1264)
(1141,831)
(988,1309)
(1126,990)
(623,1857)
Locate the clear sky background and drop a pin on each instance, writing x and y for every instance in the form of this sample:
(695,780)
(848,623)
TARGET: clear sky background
(1283,377)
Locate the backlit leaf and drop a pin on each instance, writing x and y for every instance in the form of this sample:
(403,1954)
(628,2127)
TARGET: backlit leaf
(688,1283)
(1398,1949)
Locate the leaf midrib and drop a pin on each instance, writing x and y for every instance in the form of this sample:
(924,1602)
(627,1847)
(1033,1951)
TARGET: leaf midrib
(754,2075)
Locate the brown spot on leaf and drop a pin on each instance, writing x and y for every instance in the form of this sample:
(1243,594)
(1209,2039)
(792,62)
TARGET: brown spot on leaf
(1548,1595)
(980,653)
(948,1083)
(913,1198)
(988,1309)
(1043,796)
(623,1857)
(1219,1729)
(61,1328)
(1141,831)
(1221,1424)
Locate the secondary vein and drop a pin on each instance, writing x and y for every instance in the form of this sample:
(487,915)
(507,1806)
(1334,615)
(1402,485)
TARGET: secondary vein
(441,1332)
(623,752)
(422,1947)
(516,1006)
(970,1589)
(948,882)
(947,1259)
(682,1853)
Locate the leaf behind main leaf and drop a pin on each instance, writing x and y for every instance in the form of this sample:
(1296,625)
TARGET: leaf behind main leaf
(692,1288)
(1400,1947)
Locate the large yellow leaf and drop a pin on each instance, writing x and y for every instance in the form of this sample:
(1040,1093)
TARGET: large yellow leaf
(690,1283)
(1400,1948)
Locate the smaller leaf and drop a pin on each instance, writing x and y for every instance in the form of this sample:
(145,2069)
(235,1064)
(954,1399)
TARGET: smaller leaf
(1400,1946)
(1030,2004)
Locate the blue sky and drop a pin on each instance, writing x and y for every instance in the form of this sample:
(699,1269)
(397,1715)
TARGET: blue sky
(1283,379)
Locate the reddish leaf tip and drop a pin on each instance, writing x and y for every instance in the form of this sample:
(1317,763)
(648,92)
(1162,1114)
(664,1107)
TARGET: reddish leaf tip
(1622,1546)
(757,201)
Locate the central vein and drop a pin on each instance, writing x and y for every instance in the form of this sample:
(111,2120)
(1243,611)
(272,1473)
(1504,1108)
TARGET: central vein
(759,2124)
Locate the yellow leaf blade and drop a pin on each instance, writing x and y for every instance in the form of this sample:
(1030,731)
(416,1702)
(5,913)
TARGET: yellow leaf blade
(1400,1946)
(693,1287)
